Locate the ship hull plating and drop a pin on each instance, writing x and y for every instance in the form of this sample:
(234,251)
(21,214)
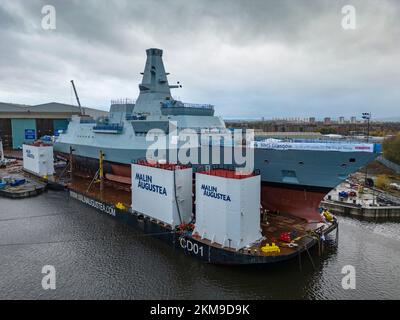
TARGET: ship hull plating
(300,201)
(323,169)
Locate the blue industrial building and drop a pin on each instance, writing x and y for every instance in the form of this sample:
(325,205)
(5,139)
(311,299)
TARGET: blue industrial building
(24,123)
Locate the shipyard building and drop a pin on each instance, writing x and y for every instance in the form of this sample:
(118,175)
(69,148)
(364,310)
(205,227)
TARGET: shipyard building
(25,123)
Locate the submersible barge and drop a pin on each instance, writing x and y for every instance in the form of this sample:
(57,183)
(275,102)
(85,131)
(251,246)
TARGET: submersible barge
(262,243)
(183,237)
(204,250)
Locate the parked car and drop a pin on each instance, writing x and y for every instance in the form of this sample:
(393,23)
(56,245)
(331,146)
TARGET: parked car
(352,193)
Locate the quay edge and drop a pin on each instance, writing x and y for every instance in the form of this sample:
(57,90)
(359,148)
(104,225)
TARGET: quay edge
(360,211)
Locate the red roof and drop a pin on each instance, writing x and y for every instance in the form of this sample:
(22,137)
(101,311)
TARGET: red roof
(230,174)
(165,166)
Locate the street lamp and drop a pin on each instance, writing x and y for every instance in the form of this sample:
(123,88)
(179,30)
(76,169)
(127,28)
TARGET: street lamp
(366,116)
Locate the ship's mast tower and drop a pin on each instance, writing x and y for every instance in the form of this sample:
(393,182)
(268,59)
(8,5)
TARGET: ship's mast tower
(154,89)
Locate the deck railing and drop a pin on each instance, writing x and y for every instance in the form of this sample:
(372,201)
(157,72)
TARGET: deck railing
(123,101)
(198,106)
(179,104)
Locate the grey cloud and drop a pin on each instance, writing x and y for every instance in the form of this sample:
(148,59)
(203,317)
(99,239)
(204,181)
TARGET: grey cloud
(255,58)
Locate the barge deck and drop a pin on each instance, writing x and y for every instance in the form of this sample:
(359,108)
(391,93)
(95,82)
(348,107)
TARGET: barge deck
(116,203)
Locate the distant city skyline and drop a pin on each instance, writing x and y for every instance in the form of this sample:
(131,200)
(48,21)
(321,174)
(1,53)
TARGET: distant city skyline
(307,119)
(250,59)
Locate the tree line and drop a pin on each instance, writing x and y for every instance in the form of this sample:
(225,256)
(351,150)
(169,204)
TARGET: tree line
(391,148)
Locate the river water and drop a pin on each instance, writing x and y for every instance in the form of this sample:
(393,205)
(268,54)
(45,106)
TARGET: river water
(96,257)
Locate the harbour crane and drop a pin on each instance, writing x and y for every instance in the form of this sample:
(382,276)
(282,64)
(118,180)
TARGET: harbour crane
(81,110)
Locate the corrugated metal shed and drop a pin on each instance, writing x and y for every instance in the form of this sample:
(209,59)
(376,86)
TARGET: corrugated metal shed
(11,107)
(53,110)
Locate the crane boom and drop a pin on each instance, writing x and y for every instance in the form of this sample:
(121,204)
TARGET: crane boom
(82,112)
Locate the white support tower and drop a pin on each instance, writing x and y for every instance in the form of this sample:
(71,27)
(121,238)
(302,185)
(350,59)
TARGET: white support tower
(163,192)
(228,208)
(38,160)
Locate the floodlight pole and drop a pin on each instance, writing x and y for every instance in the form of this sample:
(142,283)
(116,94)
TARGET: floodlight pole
(366,116)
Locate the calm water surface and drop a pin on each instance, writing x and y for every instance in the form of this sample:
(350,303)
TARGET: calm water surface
(98,258)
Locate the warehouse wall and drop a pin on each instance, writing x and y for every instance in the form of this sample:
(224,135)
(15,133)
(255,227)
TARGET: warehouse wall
(45,127)
(60,124)
(12,131)
(5,133)
(18,131)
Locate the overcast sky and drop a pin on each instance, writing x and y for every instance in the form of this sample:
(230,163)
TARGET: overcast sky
(250,58)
